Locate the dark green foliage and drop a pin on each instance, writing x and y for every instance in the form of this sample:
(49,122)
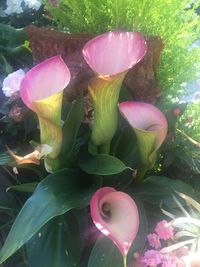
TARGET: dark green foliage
(14,50)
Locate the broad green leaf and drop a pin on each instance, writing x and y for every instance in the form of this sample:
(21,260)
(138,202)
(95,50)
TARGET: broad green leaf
(105,254)
(159,189)
(55,195)
(101,164)
(72,124)
(124,146)
(56,244)
(28,187)
(118,181)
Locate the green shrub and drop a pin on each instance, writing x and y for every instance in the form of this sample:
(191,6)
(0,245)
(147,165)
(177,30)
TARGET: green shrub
(175,21)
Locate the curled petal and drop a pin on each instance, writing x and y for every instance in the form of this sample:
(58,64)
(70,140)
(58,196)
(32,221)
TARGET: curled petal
(150,127)
(146,117)
(42,91)
(44,80)
(33,157)
(114,52)
(115,214)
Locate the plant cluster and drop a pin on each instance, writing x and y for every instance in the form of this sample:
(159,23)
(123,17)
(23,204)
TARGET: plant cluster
(83,182)
(82,175)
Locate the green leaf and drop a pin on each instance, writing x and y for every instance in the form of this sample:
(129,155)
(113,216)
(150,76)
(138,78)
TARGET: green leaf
(7,200)
(28,187)
(124,146)
(105,254)
(56,244)
(101,164)
(159,189)
(72,124)
(55,195)
(5,159)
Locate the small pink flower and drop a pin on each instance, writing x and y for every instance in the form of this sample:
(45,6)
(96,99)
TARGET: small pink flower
(154,240)
(152,258)
(177,112)
(169,260)
(164,230)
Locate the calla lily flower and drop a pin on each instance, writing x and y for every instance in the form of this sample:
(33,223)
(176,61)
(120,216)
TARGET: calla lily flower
(42,90)
(149,125)
(110,56)
(115,214)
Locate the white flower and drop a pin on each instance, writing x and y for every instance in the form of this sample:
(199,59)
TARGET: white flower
(192,260)
(11,83)
(14,6)
(35,4)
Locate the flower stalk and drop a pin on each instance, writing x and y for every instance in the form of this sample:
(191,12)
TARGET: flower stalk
(110,56)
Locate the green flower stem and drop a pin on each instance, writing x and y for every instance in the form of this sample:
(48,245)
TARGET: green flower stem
(140,174)
(105,148)
(125,260)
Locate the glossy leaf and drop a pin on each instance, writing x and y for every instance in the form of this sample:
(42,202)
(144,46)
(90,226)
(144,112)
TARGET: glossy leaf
(159,189)
(28,187)
(105,254)
(56,244)
(71,125)
(101,164)
(55,195)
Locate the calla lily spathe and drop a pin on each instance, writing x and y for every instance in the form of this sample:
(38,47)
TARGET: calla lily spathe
(110,56)
(42,91)
(149,125)
(115,214)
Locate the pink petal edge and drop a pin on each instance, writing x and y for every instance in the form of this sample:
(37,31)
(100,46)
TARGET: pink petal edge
(44,80)
(124,224)
(145,116)
(114,52)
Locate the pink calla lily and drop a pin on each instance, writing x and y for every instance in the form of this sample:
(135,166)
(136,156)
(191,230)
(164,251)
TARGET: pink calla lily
(150,126)
(110,55)
(44,80)
(42,90)
(115,214)
(115,52)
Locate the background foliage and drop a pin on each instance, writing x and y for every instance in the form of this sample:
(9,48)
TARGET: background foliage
(175,21)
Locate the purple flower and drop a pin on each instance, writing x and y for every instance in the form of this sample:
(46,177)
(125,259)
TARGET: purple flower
(154,240)
(152,258)
(164,230)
